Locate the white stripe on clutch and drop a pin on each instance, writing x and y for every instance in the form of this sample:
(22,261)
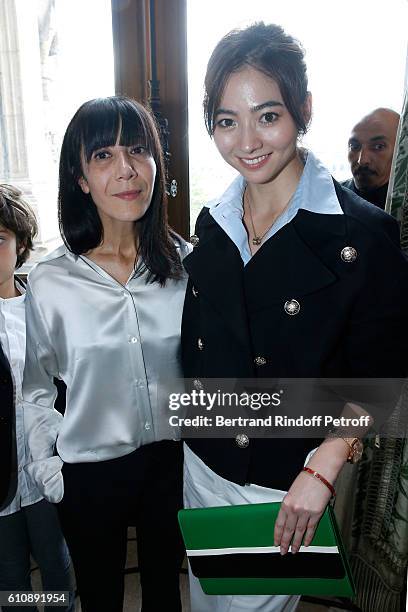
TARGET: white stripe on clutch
(258,549)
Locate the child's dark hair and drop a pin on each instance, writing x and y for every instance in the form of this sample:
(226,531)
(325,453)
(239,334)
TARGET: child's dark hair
(17,216)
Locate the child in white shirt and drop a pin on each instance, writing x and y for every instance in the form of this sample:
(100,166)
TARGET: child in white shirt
(29,524)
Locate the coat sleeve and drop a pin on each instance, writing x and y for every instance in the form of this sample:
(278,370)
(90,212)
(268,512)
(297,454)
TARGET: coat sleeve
(41,421)
(377,335)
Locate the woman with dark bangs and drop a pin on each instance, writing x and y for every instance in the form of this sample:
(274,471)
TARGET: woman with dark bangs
(104,314)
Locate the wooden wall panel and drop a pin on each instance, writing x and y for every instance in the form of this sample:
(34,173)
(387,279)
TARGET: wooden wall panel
(171,45)
(129,42)
(131,30)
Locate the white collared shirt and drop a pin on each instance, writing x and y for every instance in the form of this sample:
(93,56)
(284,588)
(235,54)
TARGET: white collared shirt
(13,341)
(315,193)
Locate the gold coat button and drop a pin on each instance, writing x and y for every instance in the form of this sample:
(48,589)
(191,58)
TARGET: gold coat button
(260,361)
(348,254)
(194,240)
(242,440)
(292,307)
(200,344)
(194,291)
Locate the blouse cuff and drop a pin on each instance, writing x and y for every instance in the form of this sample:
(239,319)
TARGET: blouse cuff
(47,475)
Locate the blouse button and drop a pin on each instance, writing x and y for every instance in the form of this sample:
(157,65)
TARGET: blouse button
(133,340)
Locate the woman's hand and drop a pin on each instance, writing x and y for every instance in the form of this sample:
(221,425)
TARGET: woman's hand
(301,509)
(304,503)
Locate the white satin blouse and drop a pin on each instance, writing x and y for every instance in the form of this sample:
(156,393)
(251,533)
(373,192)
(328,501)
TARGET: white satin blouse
(113,345)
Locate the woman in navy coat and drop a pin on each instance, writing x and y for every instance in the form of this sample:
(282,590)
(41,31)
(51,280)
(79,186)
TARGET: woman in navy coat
(292,276)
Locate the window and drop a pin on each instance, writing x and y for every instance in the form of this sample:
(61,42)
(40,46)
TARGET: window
(355,54)
(54,56)
(57,54)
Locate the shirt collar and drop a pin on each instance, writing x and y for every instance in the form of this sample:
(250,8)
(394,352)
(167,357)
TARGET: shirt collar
(19,298)
(315,193)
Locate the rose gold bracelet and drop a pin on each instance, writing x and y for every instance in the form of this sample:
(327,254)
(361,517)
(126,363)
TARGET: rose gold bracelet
(321,478)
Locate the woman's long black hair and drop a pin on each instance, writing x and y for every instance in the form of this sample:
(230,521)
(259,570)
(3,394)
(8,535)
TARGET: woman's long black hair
(100,123)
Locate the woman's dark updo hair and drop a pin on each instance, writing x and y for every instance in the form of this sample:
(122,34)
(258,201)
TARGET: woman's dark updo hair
(268,49)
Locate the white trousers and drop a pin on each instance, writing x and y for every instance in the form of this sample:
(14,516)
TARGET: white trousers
(203,488)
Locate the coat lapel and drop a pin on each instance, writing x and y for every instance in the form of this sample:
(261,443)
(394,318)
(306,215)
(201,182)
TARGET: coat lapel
(290,264)
(216,269)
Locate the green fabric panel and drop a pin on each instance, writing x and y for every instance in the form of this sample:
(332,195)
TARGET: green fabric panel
(397,197)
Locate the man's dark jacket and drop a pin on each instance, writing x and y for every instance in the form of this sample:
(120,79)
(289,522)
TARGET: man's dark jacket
(8,476)
(353,318)
(374,196)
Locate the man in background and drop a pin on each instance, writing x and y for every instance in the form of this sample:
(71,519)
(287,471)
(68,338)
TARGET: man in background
(29,524)
(370,151)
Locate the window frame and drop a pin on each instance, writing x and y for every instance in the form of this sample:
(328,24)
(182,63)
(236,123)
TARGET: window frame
(133,53)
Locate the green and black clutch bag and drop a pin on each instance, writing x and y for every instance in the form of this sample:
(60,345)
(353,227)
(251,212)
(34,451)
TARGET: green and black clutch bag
(231,551)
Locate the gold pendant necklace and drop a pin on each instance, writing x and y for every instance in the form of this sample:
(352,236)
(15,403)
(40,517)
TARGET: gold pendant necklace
(257,240)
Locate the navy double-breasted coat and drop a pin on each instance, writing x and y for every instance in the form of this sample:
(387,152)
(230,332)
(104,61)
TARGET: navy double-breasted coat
(352,321)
